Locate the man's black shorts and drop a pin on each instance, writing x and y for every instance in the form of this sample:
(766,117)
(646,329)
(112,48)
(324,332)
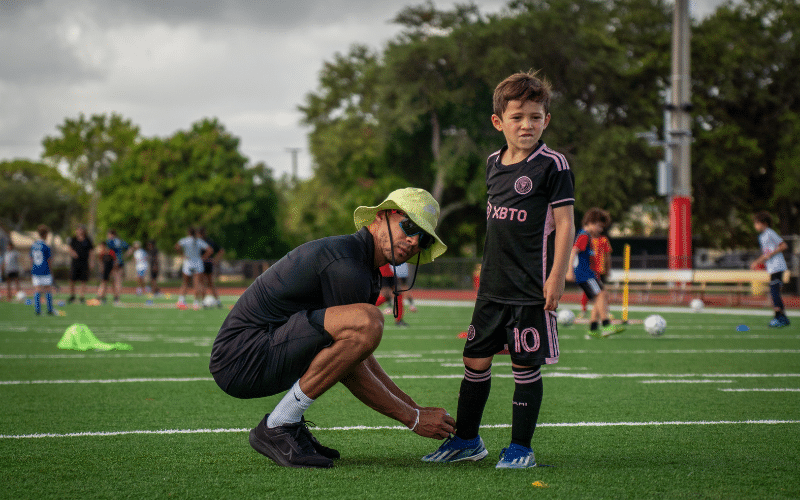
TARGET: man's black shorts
(79,271)
(270,361)
(528,331)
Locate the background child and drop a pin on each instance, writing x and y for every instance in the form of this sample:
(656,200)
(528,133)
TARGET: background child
(41,277)
(772,248)
(594,222)
(11,270)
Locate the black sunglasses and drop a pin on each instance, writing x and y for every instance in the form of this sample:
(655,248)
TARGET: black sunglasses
(412,229)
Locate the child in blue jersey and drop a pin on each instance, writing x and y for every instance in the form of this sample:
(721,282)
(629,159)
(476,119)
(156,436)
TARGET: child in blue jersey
(594,222)
(118,246)
(772,248)
(41,277)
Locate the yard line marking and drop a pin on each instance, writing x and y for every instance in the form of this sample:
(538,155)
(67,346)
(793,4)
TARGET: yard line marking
(107,381)
(701,381)
(719,377)
(395,427)
(102,354)
(760,390)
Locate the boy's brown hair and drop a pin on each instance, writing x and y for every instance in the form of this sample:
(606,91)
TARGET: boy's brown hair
(763,217)
(596,215)
(521,87)
(43,231)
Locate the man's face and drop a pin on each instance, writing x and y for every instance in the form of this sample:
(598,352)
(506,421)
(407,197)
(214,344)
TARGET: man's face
(522,124)
(405,246)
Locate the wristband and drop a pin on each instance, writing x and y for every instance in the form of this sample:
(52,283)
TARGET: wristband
(416,422)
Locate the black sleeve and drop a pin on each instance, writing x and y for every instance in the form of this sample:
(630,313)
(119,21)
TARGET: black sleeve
(345,281)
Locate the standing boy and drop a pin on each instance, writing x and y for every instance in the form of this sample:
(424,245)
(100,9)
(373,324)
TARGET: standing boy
(11,270)
(142,263)
(594,222)
(600,262)
(195,250)
(106,259)
(208,265)
(529,231)
(153,262)
(772,248)
(41,277)
(119,247)
(80,248)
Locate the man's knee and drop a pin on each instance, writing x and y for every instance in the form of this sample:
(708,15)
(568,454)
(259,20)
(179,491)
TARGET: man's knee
(361,324)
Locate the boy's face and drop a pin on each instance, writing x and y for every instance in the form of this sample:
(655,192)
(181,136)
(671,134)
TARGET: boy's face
(594,228)
(522,124)
(760,226)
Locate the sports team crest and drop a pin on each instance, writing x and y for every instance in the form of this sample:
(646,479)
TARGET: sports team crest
(470,332)
(523,185)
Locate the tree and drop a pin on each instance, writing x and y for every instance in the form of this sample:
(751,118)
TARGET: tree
(429,99)
(195,177)
(89,148)
(35,193)
(747,99)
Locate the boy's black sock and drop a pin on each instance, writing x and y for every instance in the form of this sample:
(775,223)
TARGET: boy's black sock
(606,322)
(527,401)
(593,326)
(475,387)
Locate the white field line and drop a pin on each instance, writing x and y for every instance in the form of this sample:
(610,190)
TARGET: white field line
(106,381)
(760,390)
(682,381)
(726,311)
(102,354)
(398,427)
(690,377)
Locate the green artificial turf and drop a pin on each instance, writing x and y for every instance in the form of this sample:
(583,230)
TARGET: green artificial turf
(705,411)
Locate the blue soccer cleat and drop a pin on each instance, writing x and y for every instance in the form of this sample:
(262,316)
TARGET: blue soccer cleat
(779,322)
(516,457)
(455,449)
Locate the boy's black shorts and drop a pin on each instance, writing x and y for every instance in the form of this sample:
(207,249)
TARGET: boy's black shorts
(79,271)
(528,331)
(592,288)
(107,268)
(274,358)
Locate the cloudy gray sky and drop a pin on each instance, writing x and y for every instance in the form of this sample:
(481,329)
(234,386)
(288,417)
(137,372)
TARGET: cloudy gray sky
(166,64)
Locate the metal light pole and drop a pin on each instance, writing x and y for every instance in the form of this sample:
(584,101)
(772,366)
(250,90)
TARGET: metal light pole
(679,142)
(294,152)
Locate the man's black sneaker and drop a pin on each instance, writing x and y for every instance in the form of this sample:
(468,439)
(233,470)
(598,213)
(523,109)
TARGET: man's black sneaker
(321,448)
(287,445)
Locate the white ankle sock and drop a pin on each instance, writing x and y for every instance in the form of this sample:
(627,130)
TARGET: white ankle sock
(291,408)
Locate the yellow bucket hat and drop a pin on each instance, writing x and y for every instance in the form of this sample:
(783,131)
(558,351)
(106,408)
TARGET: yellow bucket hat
(420,207)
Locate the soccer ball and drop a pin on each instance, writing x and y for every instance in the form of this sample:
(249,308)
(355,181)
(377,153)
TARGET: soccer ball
(696,305)
(209,301)
(21,295)
(566,317)
(655,325)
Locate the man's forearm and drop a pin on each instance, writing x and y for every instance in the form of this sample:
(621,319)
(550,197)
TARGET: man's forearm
(371,389)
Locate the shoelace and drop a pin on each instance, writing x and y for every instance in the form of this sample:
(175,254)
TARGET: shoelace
(302,439)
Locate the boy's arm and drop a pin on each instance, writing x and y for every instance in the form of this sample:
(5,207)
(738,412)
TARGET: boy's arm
(782,247)
(553,289)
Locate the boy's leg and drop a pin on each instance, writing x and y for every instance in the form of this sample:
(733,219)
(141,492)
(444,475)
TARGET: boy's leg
(49,295)
(475,388)
(528,391)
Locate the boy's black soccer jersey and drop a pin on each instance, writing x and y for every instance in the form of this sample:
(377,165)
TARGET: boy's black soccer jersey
(520,229)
